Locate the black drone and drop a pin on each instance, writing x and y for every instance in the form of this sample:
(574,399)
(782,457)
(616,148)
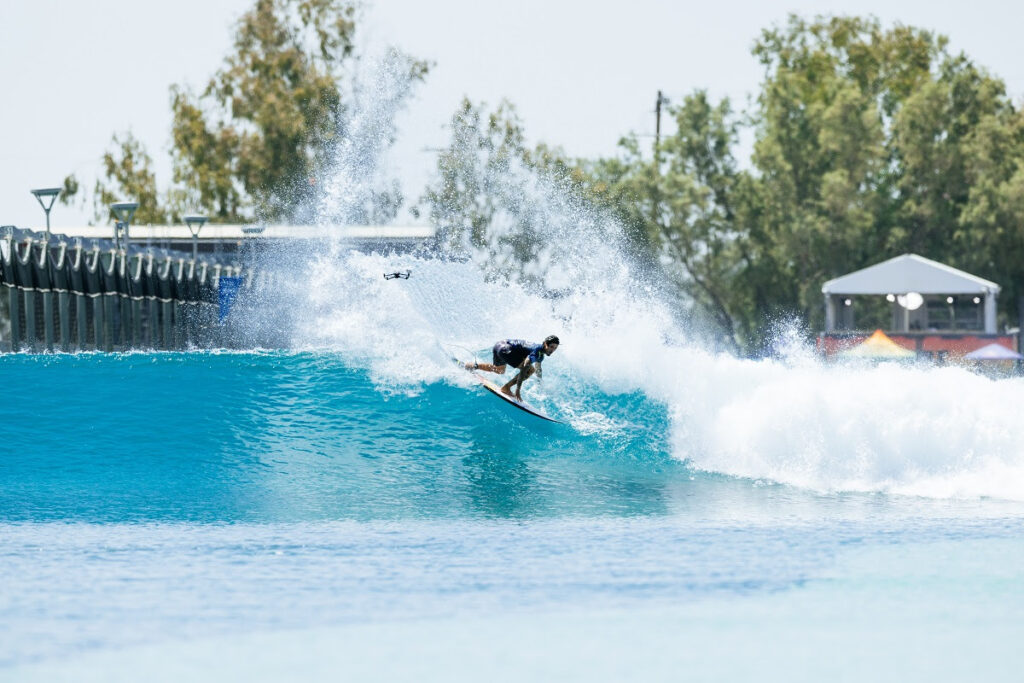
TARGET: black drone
(402,276)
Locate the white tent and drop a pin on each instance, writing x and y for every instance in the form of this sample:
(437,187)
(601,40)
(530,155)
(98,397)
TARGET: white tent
(906,274)
(993,352)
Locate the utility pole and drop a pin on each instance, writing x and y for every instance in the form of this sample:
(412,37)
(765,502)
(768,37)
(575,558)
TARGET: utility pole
(657,129)
(655,193)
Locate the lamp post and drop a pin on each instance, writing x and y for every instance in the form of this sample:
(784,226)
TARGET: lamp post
(42,194)
(195,224)
(124,211)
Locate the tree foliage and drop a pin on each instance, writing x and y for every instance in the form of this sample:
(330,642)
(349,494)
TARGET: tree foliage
(493,193)
(872,143)
(680,207)
(128,172)
(465,201)
(255,142)
(69,190)
(868,143)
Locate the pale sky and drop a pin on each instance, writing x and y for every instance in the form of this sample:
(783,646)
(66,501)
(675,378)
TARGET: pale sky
(581,73)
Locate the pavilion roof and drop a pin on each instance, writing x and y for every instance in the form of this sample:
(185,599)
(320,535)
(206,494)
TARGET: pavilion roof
(909,273)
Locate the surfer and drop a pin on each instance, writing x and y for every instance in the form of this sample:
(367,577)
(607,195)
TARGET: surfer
(522,355)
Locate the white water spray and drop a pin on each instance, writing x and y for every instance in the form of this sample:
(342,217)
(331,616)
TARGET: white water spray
(939,432)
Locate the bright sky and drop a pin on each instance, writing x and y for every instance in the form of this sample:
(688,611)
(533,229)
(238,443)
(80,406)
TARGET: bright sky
(581,72)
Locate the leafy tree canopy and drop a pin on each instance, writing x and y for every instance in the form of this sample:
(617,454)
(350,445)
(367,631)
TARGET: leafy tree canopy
(493,192)
(128,166)
(868,142)
(256,141)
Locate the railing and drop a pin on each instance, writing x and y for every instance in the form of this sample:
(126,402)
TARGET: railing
(86,294)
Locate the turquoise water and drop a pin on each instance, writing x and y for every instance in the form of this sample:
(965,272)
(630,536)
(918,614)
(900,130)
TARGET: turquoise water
(273,437)
(300,514)
(357,508)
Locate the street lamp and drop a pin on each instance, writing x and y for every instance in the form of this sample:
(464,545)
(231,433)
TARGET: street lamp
(195,224)
(50,193)
(124,211)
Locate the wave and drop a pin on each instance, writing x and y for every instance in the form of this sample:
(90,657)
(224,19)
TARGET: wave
(923,431)
(937,432)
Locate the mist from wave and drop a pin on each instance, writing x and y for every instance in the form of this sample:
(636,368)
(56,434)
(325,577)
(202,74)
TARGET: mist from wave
(792,419)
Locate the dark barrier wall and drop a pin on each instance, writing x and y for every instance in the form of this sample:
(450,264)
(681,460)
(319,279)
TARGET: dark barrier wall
(90,295)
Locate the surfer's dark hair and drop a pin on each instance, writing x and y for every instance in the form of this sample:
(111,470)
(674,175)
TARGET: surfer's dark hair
(551,340)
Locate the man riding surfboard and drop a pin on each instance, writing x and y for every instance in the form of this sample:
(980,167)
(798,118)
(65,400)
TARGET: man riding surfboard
(522,355)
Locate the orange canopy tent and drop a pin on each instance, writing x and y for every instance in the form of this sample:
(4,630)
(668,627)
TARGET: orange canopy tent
(878,345)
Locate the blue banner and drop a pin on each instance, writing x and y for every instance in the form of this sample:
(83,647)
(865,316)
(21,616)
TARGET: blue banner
(227,292)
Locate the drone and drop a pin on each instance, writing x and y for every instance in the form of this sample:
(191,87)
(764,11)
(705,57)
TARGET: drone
(402,276)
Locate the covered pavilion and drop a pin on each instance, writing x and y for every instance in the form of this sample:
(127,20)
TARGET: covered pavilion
(913,283)
(933,308)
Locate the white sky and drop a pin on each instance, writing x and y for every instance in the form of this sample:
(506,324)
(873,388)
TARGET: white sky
(581,73)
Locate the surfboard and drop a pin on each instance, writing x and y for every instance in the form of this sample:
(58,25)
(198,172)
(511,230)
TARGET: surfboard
(496,390)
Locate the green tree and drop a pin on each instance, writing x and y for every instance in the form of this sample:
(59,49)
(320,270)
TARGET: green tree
(128,174)
(823,154)
(479,201)
(256,142)
(976,216)
(868,142)
(69,191)
(464,200)
(875,142)
(685,207)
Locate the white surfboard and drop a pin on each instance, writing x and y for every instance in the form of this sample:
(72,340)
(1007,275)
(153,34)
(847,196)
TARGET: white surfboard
(496,390)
